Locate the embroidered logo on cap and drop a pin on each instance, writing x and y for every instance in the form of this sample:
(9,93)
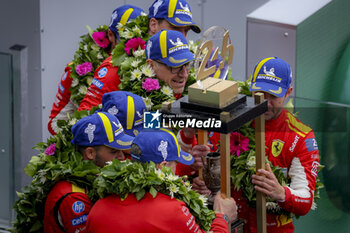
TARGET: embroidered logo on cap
(114,16)
(90,131)
(163,146)
(269,72)
(156,7)
(149,46)
(113,110)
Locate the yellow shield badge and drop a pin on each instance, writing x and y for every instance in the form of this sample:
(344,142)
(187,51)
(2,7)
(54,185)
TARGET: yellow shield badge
(276,147)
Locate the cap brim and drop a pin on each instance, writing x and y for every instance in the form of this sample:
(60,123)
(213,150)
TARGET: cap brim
(178,23)
(122,143)
(185,158)
(196,28)
(178,59)
(269,88)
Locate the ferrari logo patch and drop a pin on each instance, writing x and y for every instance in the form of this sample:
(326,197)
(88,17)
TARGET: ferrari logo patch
(276,147)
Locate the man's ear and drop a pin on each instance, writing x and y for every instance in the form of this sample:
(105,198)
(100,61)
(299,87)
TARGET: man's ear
(153,26)
(162,164)
(110,35)
(152,63)
(289,91)
(89,153)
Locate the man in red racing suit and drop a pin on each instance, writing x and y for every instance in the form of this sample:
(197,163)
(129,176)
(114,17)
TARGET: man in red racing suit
(289,144)
(62,104)
(67,205)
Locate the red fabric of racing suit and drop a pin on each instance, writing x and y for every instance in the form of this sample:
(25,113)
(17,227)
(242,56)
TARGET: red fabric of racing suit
(148,215)
(106,79)
(66,209)
(62,104)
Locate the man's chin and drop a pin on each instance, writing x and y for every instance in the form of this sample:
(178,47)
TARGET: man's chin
(268,116)
(178,90)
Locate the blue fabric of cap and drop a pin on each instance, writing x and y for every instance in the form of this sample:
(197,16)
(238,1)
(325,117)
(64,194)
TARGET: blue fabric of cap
(127,107)
(170,47)
(101,128)
(176,12)
(123,15)
(158,146)
(272,75)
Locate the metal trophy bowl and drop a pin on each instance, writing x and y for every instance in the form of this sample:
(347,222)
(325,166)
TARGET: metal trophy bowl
(214,54)
(211,174)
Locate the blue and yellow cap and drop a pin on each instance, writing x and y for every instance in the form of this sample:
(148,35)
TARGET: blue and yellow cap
(127,107)
(101,128)
(170,47)
(158,146)
(176,12)
(272,75)
(122,15)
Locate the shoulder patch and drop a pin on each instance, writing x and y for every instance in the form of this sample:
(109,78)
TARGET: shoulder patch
(102,72)
(297,126)
(311,144)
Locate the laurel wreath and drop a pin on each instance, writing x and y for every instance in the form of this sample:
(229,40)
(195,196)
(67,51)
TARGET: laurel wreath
(47,170)
(124,177)
(88,51)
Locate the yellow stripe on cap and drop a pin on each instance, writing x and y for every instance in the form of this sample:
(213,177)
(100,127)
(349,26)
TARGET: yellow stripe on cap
(107,125)
(126,15)
(172,7)
(173,135)
(130,113)
(163,44)
(258,67)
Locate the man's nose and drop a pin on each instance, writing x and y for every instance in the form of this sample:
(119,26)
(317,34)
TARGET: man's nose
(120,155)
(183,72)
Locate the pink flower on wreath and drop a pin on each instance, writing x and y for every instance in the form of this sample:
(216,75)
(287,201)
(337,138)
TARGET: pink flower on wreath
(150,84)
(100,39)
(50,150)
(238,143)
(134,44)
(84,68)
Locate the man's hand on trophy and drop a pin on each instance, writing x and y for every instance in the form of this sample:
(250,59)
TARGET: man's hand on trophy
(199,151)
(266,182)
(225,206)
(199,186)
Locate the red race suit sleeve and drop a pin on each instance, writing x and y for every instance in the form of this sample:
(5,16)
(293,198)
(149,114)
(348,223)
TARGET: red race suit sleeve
(73,212)
(62,104)
(106,79)
(303,173)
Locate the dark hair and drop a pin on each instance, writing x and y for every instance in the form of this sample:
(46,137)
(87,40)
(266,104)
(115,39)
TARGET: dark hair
(159,20)
(81,149)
